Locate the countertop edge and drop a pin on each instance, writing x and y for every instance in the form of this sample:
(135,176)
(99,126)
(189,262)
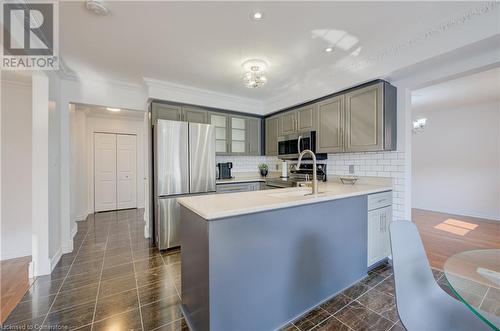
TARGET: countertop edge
(282,205)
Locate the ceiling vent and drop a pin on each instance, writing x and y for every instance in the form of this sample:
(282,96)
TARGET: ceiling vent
(97,7)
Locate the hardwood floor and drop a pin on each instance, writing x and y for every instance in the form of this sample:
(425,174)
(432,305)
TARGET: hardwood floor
(444,235)
(15,282)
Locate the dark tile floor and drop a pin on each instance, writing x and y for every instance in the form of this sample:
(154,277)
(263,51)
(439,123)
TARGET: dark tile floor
(114,280)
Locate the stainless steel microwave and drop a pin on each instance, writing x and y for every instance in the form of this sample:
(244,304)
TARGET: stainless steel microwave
(290,146)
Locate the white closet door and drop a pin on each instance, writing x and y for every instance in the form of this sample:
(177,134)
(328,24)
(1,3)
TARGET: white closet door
(126,152)
(104,171)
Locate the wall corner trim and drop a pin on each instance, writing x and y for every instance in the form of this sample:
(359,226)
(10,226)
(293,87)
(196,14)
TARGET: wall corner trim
(55,259)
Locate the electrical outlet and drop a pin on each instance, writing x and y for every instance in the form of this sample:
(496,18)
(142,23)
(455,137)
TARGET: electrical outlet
(351,169)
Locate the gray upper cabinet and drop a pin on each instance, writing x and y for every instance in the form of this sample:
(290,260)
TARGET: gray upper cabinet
(166,112)
(306,118)
(238,135)
(287,123)
(361,120)
(364,112)
(234,134)
(272,125)
(330,135)
(221,123)
(195,115)
(253,136)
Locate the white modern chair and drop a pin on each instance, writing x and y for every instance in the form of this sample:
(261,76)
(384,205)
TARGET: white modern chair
(422,304)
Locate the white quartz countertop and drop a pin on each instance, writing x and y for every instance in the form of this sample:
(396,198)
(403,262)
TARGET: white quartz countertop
(246,177)
(215,206)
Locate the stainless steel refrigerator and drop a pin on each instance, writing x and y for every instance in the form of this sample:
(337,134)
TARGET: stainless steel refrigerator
(184,156)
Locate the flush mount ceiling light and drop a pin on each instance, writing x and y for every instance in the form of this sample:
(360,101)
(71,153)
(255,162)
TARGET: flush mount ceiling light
(97,7)
(113,109)
(329,49)
(254,73)
(257,16)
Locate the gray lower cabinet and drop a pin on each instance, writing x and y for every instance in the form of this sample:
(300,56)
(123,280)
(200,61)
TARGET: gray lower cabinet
(160,111)
(364,113)
(237,187)
(379,220)
(306,118)
(194,115)
(272,125)
(330,133)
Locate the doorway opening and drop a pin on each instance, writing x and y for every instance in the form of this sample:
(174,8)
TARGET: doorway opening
(456,164)
(115,171)
(108,159)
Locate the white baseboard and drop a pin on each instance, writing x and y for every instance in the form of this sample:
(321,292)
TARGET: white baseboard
(80,218)
(146,231)
(67,247)
(461,213)
(56,258)
(74,230)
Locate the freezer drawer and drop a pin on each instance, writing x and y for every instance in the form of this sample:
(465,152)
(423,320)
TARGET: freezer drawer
(168,223)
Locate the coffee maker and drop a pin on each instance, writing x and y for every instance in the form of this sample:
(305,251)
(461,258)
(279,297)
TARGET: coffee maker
(224,170)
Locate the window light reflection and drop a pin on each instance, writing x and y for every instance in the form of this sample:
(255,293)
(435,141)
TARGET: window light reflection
(460,228)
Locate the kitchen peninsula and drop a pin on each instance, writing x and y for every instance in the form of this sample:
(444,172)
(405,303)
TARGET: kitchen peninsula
(257,260)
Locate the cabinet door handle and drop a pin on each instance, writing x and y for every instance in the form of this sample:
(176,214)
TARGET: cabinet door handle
(341,140)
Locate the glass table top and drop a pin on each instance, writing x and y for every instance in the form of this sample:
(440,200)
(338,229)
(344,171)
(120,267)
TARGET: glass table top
(474,277)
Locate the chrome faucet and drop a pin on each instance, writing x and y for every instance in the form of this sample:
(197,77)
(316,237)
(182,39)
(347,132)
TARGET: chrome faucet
(315,177)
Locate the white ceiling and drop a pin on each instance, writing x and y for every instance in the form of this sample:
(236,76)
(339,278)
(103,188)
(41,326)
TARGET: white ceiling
(474,89)
(202,45)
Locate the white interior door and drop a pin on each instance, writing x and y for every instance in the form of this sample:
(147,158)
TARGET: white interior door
(126,171)
(104,171)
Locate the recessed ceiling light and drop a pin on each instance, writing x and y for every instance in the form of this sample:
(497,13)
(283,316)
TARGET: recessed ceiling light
(257,16)
(329,49)
(113,109)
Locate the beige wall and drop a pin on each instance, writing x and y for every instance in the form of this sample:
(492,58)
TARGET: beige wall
(456,160)
(16,119)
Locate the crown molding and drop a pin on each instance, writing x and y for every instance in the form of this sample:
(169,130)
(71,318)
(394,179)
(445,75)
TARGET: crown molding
(16,83)
(88,78)
(158,89)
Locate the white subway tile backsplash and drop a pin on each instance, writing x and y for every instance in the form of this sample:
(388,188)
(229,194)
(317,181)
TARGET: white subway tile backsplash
(373,164)
(250,163)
